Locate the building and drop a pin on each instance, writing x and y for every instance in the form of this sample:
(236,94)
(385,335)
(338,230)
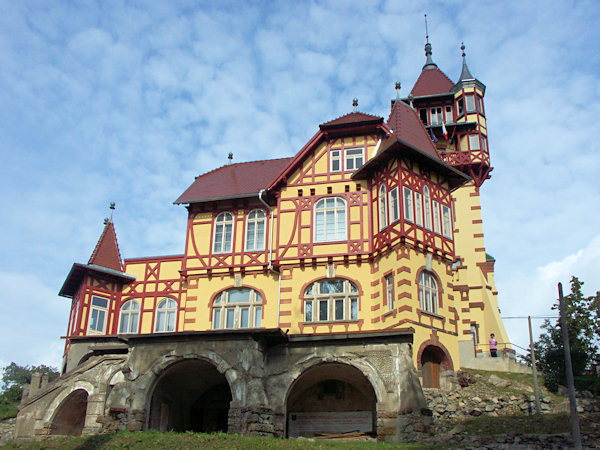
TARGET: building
(316,293)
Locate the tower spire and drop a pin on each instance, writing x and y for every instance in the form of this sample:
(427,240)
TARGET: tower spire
(429,64)
(465,73)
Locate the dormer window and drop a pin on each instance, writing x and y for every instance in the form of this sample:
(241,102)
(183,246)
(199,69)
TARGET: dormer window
(423,115)
(449,117)
(223,237)
(336,160)
(436,116)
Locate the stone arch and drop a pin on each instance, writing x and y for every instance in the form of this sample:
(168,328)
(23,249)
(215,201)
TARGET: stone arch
(71,420)
(190,393)
(331,387)
(446,360)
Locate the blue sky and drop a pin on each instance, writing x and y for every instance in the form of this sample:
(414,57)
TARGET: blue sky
(127,101)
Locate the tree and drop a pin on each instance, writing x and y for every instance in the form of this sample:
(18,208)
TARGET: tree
(15,377)
(583,326)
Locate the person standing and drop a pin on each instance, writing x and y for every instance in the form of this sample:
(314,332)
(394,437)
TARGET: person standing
(493,346)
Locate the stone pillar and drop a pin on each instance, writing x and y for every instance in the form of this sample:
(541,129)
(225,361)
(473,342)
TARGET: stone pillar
(255,421)
(94,414)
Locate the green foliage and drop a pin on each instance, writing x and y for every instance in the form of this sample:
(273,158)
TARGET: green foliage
(583,326)
(14,378)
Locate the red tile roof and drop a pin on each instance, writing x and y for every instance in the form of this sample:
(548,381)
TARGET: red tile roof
(408,127)
(431,82)
(234,180)
(353,118)
(106,254)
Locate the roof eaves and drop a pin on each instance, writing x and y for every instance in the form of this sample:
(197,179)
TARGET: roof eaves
(214,199)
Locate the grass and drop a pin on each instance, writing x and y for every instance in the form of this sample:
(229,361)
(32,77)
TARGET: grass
(172,440)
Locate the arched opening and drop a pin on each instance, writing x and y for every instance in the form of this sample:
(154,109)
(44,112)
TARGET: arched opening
(70,415)
(431,360)
(331,398)
(190,396)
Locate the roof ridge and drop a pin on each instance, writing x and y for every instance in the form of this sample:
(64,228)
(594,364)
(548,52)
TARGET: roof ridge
(350,113)
(240,163)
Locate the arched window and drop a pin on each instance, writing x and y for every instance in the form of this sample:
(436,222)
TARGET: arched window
(166,315)
(330,219)
(255,230)
(428,292)
(223,233)
(129,319)
(382,208)
(330,300)
(237,308)
(427,207)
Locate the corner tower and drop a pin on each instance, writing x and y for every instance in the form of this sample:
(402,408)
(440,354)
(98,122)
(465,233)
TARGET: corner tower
(454,115)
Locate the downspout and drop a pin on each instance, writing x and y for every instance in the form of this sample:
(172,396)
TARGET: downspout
(260,194)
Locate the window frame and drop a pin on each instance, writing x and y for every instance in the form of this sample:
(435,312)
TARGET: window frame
(448,114)
(428,292)
(335,156)
(474,139)
(100,311)
(389,291)
(220,228)
(221,306)
(382,205)
(427,223)
(170,311)
(313,300)
(394,205)
(418,209)
(470,109)
(446,224)
(337,210)
(437,225)
(130,313)
(354,158)
(437,115)
(407,202)
(256,221)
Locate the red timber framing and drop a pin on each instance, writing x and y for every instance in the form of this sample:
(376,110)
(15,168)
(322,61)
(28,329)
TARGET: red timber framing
(152,289)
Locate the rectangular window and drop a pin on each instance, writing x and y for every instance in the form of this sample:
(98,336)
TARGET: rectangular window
(449,117)
(394,205)
(354,158)
(353,309)
(473,142)
(336,160)
(460,105)
(308,315)
(244,317)
(480,105)
(418,209)
(446,222)
(257,316)
(470,100)
(408,209)
(98,312)
(436,217)
(436,116)
(216,319)
(389,291)
(323,309)
(423,115)
(339,309)
(230,318)
(484,143)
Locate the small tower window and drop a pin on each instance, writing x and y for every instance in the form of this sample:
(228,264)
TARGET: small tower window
(474,142)
(382,208)
(470,99)
(408,208)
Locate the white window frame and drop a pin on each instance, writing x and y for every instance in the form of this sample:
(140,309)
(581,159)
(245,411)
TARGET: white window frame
(256,223)
(427,207)
(389,291)
(222,241)
(347,297)
(428,292)
(474,143)
(223,308)
(446,222)
(129,317)
(98,313)
(167,307)
(335,160)
(394,205)
(470,103)
(436,115)
(418,209)
(448,113)
(322,209)
(382,204)
(407,199)
(436,217)
(354,158)
(484,143)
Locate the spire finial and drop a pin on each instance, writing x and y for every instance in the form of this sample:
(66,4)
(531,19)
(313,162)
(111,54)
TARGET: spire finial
(355,104)
(112,208)
(398,86)
(462,47)
(465,73)
(230,157)
(429,64)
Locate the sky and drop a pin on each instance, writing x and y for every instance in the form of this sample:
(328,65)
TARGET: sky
(128,101)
